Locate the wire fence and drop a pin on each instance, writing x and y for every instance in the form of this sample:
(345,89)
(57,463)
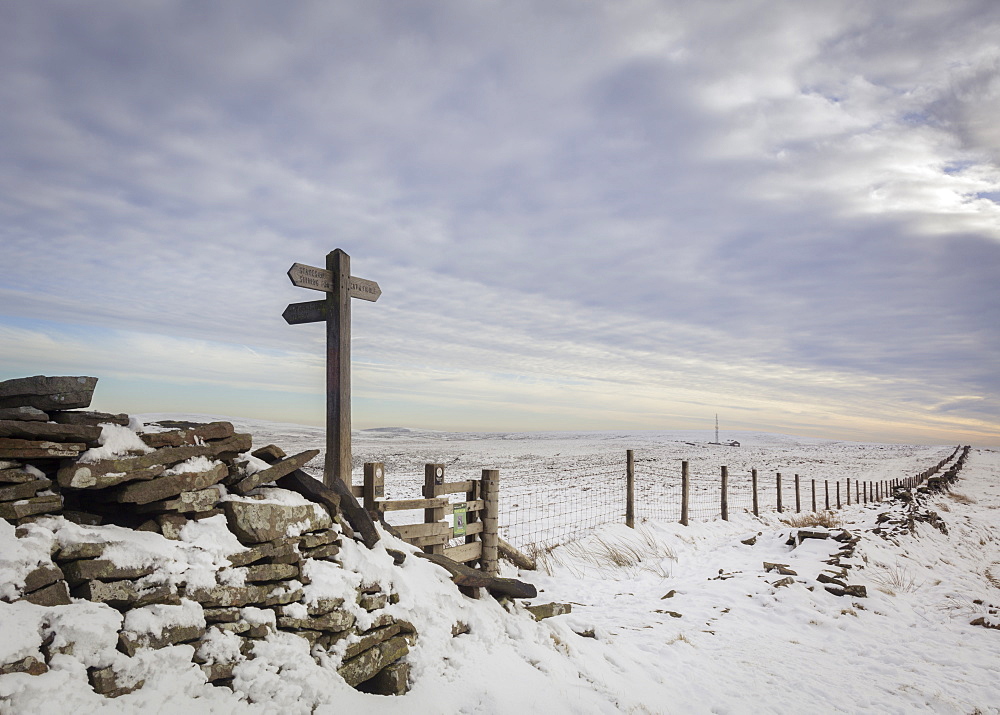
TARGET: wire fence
(551,503)
(564,505)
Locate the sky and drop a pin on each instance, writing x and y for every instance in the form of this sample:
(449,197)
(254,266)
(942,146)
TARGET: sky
(582,215)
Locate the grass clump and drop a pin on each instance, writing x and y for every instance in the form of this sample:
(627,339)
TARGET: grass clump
(827,519)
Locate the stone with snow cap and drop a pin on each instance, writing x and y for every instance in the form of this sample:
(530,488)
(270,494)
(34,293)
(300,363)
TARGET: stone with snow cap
(171,485)
(168,456)
(48,393)
(254,522)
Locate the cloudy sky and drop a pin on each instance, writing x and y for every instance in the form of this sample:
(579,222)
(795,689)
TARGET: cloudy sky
(582,214)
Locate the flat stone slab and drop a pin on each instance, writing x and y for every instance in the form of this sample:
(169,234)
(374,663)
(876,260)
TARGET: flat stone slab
(271,572)
(172,485)
(53,433)
(25,490)
(81,550)
(227,596)
(274,472)
(548,610)
(362,667)
(130,643)
(30,507)
(11,448)
(17,475)
(254,522)
(55,594)
(42,577)
(278,551)
(26,414)
(333,622)
(191,435)
(186,502)
(101,569)
(125,594)
(70,478)
(48,393)
(167,456)
(86,417)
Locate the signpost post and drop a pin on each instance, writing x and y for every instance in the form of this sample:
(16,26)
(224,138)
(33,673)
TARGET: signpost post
(340,286)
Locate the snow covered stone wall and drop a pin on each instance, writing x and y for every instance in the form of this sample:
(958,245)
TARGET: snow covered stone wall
(117,539)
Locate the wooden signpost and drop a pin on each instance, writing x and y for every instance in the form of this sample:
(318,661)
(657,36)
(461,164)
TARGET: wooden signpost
(340,286)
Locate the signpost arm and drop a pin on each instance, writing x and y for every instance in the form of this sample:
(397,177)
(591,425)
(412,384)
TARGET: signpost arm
(338,371)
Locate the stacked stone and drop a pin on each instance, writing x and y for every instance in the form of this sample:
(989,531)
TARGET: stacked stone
(44,430)
(36,432)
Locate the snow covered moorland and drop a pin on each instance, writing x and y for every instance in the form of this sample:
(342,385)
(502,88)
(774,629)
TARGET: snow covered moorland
(714,617)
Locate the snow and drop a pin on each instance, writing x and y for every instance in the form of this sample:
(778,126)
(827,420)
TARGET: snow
(194,465)
(116,441)
(682,619)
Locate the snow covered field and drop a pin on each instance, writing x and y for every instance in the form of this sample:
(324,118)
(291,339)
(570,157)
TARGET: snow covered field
(666,619)
(556,486)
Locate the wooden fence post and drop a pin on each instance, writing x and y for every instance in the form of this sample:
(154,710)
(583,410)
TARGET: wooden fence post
(629,489)
(374,484)
(838,494)
(826,489)
(725,494)
(798,497)
(753,482)
(433,478)
(848,491)
(685,493)
(490,491)
(814,495)
(778,486)
(857,492)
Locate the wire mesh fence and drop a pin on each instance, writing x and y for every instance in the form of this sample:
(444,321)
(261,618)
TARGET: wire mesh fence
(546,503)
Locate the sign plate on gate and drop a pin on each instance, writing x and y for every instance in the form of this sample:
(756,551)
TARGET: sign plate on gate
(461,516)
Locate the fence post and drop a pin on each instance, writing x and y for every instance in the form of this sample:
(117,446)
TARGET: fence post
(629,489)
(433,478)
(753,481)
(725,494)
(685,493)
(848,491)
(826,489)
(374,484)
(798,498)
(490,491)
(838,494)
(857,492)
(778,486)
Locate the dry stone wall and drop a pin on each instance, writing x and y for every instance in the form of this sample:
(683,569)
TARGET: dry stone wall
(66,472)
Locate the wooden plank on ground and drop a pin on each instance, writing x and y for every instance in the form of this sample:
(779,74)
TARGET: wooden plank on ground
(465,552)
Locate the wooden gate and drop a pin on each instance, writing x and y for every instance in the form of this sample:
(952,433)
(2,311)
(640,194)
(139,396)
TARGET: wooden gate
(473,520)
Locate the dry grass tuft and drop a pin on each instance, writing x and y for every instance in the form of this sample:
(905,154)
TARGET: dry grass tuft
(894,579)
(826,519)
(637,552)
(961,498)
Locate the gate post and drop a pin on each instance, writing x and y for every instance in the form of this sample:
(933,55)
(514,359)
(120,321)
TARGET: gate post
(490,491)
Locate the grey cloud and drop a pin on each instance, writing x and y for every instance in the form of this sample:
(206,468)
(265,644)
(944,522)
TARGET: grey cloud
(619,161)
